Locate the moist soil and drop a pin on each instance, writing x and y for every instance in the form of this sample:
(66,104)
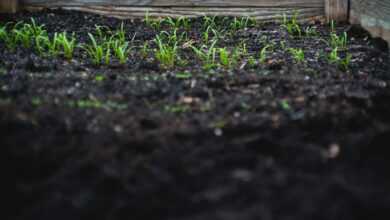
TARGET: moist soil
(279,140)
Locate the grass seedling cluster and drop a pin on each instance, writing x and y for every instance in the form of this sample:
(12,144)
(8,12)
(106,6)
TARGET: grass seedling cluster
(292,25)
(216,43)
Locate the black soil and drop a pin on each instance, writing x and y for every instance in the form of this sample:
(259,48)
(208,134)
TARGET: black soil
(280,140)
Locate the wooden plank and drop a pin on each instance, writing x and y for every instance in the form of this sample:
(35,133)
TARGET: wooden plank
(223,3)
(336,10)
(264,14)
(374,15)
(8,6)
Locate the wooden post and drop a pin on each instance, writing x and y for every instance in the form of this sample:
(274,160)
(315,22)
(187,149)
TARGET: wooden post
(337,10)
(8,6)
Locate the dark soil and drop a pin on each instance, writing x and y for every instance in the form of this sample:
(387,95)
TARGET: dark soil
(281,141)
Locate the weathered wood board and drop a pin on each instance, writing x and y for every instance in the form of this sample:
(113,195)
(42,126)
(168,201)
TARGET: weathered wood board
(258,9)
(219,3)
(373,15)
(265,14)
(337,10)
(8,6)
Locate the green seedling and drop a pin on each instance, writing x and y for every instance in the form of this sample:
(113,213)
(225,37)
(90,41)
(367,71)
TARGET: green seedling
(183,75)
(8,38)
(283,45)
(120,34)
(153,23)
(34,29)
(285,105)
(185,22)
(166,54)
(340,42)
(332,26)
(242,49)
(209,22)
(46,46)
(98,52)
(225,57)
(311,31)
(263,54)
(206,54)
(99,78)
(36,101)
(103,33)
(27,33)
(68,44)
(291,25)
(345,63)
(176,23)
(173,37)
(334,56)
(23,36)
(297,54)
(145,49)
(239,23)
(251,61)
(121,50)
(206,34)
(177,109)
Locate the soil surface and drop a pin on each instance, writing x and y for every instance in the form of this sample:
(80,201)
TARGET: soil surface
(279,140)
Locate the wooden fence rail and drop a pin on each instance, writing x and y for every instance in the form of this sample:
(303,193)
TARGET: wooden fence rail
(374,15)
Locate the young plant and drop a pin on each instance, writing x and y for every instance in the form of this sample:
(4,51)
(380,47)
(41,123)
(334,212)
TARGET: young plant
(209,22)
(177,23)
(297,54)
(263,54)
(206,54)
(225,58)
(332,26)
(340,42)
(8,38)
(34,29)
(153,23)
(334,56)
(46,46)
(166,53)
(121,51)
(23,37)
(103,33)
(185,22)
(291,25)
(68,44)
(98,52)
(239,23)
(345,62)
(145,50)
(120,34)
(311,31)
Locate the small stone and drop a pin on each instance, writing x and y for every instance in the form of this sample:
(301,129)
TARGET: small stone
(333,151)
(118,128)
(242,174)
(218,132)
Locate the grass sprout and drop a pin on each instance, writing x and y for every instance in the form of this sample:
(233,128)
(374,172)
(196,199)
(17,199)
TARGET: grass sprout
(263,54)
(340,42)
(121,50)
(207,54)
(166,54)
(297,54)
(98,52)
(8,38)
(68,44)
(291,25)
(239,23)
